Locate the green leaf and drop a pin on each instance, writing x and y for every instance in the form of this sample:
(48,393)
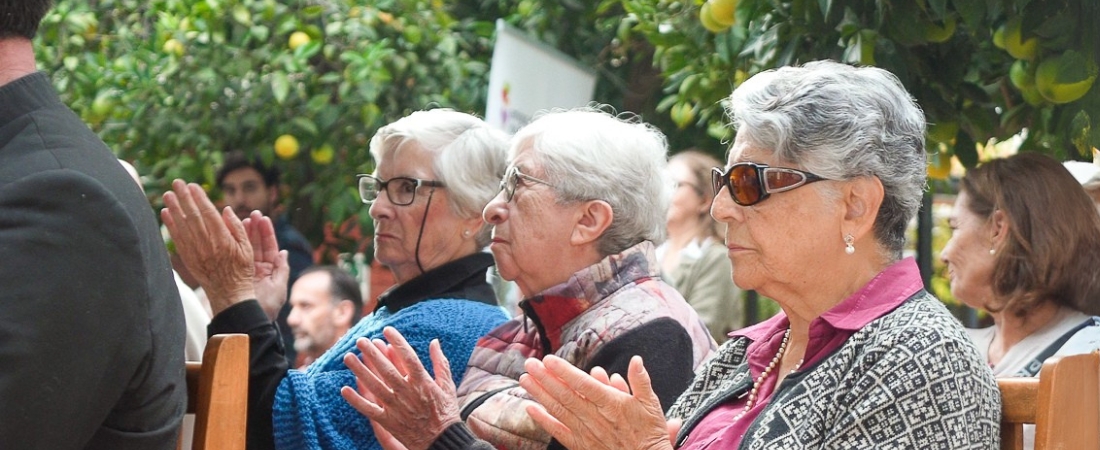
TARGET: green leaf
(1080,130)
(280,86)
(966,150)
(242,15)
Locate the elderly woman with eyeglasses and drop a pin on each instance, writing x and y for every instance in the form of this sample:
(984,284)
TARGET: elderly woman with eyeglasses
(435,171)
(826,170)
(575,225)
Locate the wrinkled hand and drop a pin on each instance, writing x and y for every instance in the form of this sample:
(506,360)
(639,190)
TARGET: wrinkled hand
(396,393)
(271,271)
(595,411)
(215,248)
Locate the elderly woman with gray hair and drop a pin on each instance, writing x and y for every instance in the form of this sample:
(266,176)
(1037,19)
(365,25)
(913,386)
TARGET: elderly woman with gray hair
(575,224)
(435,171)
(827,168)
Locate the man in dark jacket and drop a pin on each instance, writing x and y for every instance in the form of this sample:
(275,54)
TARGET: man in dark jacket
(91,327)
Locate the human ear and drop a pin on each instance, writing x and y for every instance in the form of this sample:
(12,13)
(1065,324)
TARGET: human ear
(999,226)
(861,200)
(343,312)
(593,218)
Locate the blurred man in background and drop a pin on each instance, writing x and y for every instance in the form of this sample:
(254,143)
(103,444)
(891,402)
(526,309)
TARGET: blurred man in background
(325,302)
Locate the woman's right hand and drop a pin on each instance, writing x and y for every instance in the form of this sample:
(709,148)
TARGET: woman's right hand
(214,247)
(595,411)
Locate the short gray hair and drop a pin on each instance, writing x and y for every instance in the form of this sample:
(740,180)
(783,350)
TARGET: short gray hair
(589,154)
(841,122)
(469,156)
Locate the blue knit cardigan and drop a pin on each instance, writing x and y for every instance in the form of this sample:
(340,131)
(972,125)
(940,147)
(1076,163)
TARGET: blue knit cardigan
(309,412)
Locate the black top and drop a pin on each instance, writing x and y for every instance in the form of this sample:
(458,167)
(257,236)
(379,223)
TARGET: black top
(461,278)
(91,325)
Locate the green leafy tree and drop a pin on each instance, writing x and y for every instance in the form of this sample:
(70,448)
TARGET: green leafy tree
(953,56)
(173,84)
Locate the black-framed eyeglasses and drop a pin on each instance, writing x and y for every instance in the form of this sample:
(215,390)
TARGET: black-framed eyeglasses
(511,179)
(751,183)
(400,190)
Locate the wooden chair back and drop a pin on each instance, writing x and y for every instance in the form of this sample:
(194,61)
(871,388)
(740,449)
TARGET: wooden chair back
(217,393)
(1063,404)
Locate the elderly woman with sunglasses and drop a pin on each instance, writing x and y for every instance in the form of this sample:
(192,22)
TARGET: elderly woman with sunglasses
(575,226)
(435,171)
(826,170)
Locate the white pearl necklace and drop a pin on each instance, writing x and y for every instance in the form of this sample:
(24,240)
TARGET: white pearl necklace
(767,371)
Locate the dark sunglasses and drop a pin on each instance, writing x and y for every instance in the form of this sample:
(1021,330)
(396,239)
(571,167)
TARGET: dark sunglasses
(751,183)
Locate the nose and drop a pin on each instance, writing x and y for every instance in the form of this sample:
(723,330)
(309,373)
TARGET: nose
(233,199)
(496,212)
(948,249)
(723,209)
(294,318)
(381,208)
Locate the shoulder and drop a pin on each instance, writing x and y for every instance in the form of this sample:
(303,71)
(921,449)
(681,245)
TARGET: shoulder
(921,331)
(920,317)
(449,316)
(1085,340)
(87,206)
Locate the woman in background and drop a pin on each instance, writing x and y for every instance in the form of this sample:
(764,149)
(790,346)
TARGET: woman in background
(1035,275)
(694,259)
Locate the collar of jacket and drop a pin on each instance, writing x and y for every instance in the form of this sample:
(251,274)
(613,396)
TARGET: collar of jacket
(553,308)
(462,278)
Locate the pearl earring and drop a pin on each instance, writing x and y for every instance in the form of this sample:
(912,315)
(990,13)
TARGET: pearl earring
(466,233)
(849,248)
(992,252)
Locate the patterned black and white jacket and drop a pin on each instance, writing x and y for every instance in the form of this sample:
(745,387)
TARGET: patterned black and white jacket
(909,379)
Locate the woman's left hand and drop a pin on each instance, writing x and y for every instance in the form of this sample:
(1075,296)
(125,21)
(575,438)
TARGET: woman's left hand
(597,411)
(271,272)
(397,394)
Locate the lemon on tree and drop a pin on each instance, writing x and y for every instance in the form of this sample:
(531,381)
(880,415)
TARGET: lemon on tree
(706,17)
(322,155)
(722,11)
(1066,77)
(943,132)
(298,39)
(682,114)
(1022,75)
(1015,43)
(939,166)
(286,146)
(939,33)
(173,47)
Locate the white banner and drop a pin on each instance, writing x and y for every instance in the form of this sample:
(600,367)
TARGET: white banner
(527,76)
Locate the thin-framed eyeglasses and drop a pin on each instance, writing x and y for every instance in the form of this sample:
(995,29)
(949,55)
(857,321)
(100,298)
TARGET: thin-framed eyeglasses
(751,183)
(400,190)
(511,179)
